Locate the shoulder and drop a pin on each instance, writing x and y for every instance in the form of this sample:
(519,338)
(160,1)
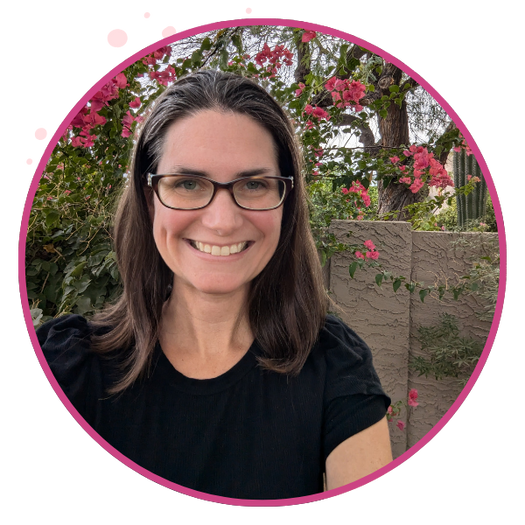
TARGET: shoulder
(63,331)
(65,337)
(66,345)
(338,341)
(347,361)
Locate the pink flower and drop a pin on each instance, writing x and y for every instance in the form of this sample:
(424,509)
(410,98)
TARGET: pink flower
(339,84)
(402,168)
(407,153)
(320,113)
(372,255)
(370,245)
(400,425)
(121,81)
(76,142)
(149,60)
(390,410)
(416,185)
(89,140)
(345,190)
(136,103)
(336,96)
(412,396)
(308,35)
(405,180)
(308,109)
(359,255)
(394,160)
(330,85)
(67,192)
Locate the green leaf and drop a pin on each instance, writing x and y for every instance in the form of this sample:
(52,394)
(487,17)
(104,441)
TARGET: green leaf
(52,217)
(196,57)
(396,285)
(205,46)
(77,271)
(379,279)
(423,294)
(393,89)
(352,268)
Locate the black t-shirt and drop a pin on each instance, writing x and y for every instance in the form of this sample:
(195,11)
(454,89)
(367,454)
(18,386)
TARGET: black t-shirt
(249,433)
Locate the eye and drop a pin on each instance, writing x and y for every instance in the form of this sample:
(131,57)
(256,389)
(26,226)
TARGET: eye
(254,185)
(184,184)
(187,184)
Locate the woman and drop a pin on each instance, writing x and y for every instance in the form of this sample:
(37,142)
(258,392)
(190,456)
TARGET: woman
(218,368)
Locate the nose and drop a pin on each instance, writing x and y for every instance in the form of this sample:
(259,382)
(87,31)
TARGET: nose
(222,214)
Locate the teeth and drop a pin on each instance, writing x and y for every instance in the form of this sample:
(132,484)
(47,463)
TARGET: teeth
(224,251)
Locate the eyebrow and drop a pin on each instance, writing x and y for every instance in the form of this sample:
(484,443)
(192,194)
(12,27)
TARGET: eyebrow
(246,173)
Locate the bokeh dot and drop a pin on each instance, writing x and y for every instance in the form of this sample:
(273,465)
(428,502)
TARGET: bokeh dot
(117,38)
(146,15)
(168,31)
(29,162)
(249,10)
(40,133)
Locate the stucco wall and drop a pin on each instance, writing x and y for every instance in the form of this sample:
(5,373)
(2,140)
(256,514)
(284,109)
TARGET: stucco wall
(388,321)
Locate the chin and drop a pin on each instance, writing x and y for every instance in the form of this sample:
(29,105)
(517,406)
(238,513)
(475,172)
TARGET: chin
(219,287)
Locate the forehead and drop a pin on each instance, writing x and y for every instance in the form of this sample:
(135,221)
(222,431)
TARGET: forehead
(219,143)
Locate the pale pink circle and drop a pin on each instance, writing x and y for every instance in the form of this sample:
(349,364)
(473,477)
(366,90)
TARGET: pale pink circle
(29,162)
(168,31)
(249,10)
(146,15)
(117,38)
(40,133)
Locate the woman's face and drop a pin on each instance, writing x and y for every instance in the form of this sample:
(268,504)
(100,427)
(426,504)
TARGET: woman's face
(223,147)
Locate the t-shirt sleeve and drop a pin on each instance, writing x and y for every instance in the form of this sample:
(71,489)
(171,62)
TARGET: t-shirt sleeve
(353,399)
(66,345)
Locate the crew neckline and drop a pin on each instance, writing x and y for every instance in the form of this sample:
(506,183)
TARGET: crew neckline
(210,386)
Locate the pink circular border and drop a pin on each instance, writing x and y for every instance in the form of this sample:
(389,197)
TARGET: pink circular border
(280,502)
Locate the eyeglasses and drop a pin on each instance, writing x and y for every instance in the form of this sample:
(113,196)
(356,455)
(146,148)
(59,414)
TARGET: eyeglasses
(193,192)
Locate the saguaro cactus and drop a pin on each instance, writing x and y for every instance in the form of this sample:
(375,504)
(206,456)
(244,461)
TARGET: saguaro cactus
(473,205)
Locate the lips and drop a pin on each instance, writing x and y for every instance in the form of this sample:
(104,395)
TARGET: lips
(223,251)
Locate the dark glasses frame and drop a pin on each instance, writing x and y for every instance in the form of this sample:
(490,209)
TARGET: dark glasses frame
(153,182)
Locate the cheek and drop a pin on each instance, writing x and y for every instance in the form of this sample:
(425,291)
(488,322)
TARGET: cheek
(270,224)
(168,223)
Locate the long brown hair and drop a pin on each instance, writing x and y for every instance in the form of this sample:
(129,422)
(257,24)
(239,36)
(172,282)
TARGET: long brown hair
(287,301)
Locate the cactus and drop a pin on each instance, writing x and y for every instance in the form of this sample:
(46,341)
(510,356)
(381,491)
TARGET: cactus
(473,205)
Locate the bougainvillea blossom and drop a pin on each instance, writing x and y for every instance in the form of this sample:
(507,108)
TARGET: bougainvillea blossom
(308,35)
(346,93)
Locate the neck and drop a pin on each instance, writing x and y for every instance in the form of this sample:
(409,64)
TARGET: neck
(205,334)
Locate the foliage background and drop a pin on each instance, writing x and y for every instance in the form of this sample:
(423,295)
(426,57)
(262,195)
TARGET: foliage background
(71,266)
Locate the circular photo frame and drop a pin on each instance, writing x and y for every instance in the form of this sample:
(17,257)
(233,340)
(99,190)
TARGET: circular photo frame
(406,447)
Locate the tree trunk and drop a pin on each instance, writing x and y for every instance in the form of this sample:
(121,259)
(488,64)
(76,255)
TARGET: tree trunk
(394,133)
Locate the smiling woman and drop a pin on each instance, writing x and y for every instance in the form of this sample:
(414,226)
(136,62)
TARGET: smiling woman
(218,368)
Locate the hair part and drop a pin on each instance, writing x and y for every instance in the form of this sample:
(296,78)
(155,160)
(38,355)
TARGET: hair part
(287,301)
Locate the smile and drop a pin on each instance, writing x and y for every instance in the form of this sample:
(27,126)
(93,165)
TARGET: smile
(223,251)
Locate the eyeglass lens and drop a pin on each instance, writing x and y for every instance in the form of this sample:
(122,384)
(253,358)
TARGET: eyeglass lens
(186,192)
